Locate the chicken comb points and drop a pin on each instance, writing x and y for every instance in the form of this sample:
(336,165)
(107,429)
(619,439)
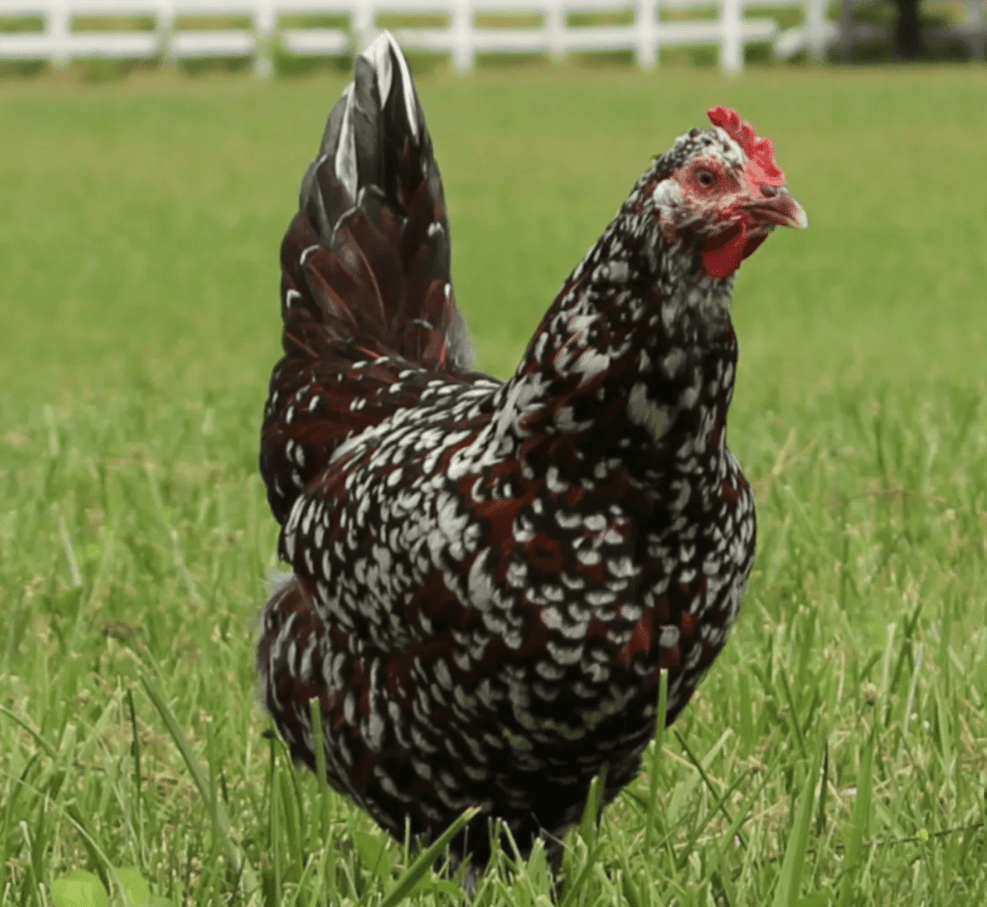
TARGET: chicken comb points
(760,151)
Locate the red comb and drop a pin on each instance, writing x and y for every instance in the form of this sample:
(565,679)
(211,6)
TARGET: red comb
(760,152)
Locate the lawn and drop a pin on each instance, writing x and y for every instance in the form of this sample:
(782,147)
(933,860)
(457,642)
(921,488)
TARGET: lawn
(836,754)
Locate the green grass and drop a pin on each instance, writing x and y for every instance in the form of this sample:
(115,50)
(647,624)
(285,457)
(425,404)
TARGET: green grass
(835,754)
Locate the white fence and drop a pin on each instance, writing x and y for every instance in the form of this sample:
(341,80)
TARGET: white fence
(470,27)
(847,33)
(255,28)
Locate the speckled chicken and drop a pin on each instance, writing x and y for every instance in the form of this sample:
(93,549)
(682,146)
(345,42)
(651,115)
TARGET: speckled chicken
(487,577)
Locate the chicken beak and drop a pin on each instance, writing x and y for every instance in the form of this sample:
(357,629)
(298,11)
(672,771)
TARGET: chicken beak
(777,207)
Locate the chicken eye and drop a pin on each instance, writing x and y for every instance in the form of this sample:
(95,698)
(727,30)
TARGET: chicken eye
(706,178)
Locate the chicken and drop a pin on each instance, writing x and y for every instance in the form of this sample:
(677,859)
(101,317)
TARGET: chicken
(487,577)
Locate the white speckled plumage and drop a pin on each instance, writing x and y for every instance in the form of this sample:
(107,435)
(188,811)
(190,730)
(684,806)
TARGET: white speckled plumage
(487,576)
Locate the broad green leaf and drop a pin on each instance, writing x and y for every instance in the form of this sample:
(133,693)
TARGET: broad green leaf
(79,889)
(373,852)
(135,885)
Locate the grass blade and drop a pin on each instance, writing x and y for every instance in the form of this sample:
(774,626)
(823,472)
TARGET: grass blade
(859,824)
(656,751)
(426,860)
(790,879)
(218,814)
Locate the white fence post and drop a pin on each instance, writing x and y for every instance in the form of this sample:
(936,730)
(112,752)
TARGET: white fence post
(363,24)
(731,36)
(646,27)
(461,25)
(555,27)
(815,29)
(975,23)
(58,27)
(166,28)
(265,19)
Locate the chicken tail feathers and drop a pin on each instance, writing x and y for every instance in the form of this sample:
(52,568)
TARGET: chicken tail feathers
(366,259)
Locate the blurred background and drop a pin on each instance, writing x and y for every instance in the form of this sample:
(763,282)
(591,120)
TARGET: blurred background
(150,157)
(284,36)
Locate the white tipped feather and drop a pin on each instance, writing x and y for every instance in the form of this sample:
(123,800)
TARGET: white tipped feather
(276,581)
(380,55)
(345,162)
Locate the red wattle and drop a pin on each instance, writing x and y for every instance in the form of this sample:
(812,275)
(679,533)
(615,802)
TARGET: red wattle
(723,253)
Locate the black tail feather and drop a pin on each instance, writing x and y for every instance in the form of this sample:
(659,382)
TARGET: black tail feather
(366,260)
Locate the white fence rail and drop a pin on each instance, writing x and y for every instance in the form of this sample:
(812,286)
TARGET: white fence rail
(74,29)
(470,27)
(972,32)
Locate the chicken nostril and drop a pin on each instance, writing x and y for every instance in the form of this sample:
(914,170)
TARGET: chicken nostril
(769,191)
